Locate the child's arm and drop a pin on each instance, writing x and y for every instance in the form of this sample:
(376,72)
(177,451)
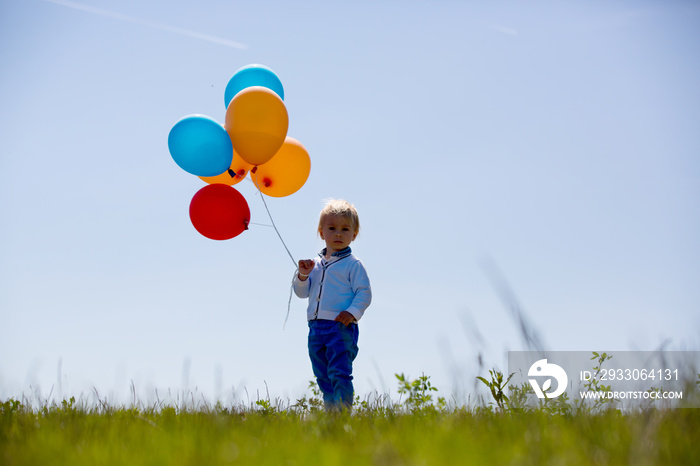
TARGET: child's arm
(362,289)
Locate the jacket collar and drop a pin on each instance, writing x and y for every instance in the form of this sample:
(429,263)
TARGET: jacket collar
(336,255)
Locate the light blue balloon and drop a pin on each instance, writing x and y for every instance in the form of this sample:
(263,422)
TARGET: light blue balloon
(200,145)
(252,75)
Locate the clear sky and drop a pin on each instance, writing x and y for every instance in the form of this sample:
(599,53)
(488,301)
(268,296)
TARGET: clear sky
(547,151)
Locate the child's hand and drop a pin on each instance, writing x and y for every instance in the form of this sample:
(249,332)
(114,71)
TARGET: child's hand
(345,318)
(305,268)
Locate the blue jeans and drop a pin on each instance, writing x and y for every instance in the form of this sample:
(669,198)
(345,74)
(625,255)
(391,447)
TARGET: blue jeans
(333,348)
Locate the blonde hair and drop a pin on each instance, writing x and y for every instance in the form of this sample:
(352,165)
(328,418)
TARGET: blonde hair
(341,208)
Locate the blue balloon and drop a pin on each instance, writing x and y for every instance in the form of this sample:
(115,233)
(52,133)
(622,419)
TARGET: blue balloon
(252,75)
(200,145)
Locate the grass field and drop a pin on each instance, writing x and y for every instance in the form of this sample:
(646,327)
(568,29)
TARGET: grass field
(416,431)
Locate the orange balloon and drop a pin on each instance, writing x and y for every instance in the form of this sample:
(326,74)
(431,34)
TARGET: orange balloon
(257,121)
(286,172)
(238,170)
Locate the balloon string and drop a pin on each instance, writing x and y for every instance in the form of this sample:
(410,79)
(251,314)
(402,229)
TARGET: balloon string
(275,227)
(289,303)
(296,270)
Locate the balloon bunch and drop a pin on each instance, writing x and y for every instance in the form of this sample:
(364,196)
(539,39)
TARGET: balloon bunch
(252,140)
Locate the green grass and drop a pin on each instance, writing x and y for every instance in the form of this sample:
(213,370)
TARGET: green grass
(385,433)
(417,430)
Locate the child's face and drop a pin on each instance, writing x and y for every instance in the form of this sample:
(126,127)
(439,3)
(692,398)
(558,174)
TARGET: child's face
(337,231)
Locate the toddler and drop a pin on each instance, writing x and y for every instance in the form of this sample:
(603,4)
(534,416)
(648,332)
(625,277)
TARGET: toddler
(339,292)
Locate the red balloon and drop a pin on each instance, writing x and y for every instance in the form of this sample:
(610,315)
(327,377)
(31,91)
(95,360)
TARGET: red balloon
(219,212)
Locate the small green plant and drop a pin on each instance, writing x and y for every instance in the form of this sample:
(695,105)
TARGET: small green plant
(559,405)
(594,385)
(312,403)
(519,396)
(418,392)
(10,407)
(265,407)
(497,385)
(68,405)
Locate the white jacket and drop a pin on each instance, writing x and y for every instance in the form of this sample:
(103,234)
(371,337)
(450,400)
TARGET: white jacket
(335,285)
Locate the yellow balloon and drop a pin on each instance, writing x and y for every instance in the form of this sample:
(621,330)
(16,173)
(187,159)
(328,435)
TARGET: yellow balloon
(286,172)
(257,121)
(238,170)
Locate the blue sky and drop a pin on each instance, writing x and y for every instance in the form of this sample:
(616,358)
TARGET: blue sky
(551,144)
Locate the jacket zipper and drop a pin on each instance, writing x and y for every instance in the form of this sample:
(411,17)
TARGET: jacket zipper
(320,290)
